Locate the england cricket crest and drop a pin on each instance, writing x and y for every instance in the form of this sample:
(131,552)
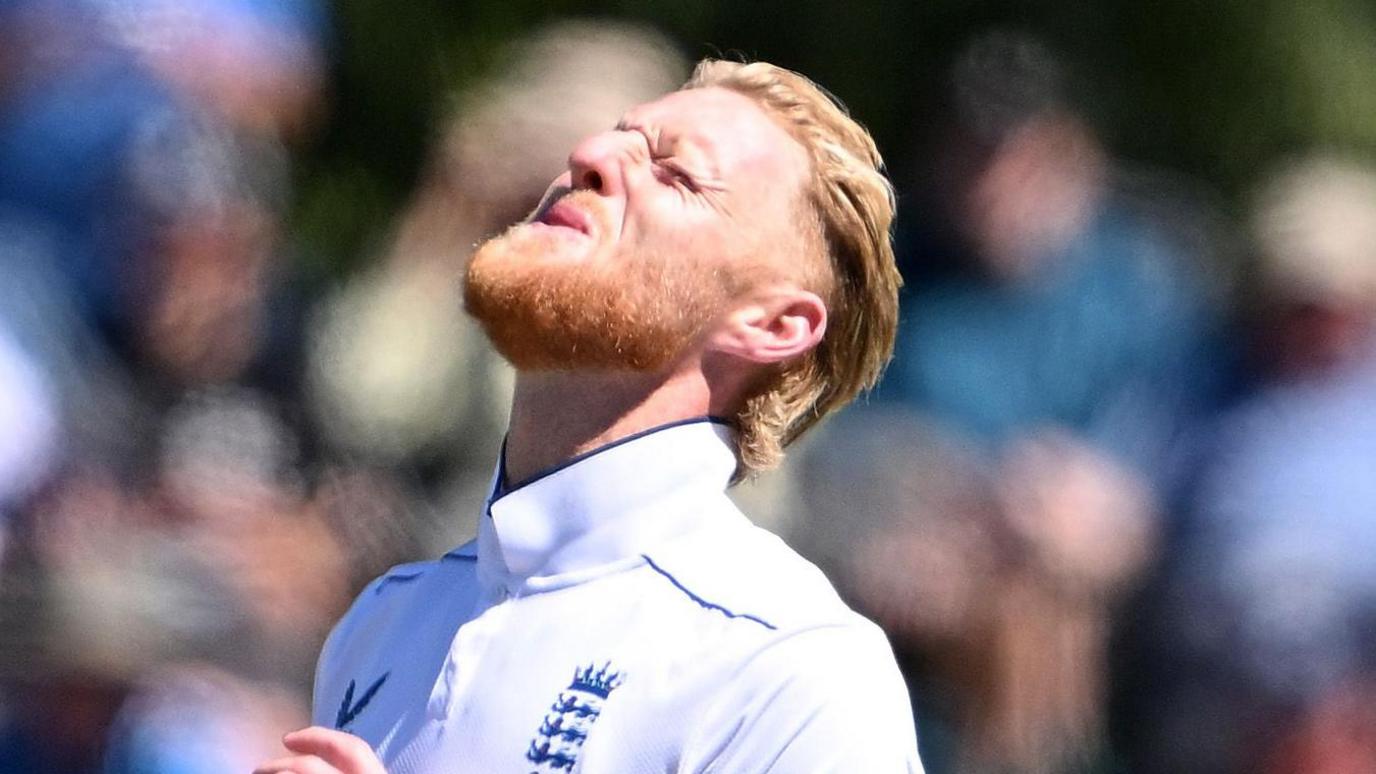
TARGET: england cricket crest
(566,725)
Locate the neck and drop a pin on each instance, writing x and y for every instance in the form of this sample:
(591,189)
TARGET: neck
(558,415)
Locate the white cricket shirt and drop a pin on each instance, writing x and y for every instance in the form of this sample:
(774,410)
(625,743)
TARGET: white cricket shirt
(618,614)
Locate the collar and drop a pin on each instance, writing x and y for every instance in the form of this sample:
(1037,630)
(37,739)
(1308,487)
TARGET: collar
(606,505)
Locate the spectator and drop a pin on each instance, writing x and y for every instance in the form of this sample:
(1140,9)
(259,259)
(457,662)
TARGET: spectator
(999,621)
(1040,295)
(1257,649)
(1053,329)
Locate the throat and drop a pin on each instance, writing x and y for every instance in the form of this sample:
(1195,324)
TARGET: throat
(556,416)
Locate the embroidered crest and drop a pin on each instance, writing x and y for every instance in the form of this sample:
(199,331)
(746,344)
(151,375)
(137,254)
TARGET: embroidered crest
(566,725)
(348,710)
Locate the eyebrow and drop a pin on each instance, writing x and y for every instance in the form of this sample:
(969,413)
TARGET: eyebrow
(625,125)
(708,174)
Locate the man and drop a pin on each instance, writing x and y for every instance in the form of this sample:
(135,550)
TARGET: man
(1255,649)
(705,282)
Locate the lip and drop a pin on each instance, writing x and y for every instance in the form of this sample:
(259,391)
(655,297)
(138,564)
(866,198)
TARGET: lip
(562,214)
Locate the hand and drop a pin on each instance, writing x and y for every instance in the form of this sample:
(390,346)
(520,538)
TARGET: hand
(324,751)
(1090,520)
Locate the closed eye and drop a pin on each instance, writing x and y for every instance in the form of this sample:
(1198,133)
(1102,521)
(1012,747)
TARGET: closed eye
(675,173)
(666,169)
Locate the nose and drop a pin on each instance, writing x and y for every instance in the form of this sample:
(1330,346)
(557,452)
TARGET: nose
(598,162)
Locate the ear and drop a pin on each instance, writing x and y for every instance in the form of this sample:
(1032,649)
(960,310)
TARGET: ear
(774,325)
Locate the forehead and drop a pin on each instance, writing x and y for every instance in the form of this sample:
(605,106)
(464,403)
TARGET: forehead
(731,128)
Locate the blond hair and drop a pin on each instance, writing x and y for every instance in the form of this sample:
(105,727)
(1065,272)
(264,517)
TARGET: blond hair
(849,206)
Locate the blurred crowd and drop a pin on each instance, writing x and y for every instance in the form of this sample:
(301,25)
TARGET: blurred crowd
(1116,499)
(1114,502)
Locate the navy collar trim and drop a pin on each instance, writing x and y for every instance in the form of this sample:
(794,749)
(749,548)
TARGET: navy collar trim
(500,488)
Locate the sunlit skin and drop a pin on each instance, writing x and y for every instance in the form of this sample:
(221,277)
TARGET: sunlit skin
(692,176)
(700,181)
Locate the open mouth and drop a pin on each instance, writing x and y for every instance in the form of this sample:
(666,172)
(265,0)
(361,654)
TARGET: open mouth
(561,214)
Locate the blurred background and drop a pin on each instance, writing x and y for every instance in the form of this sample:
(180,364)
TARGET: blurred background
(1115,502)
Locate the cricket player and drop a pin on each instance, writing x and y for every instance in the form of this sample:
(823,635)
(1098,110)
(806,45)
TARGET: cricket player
(706,281)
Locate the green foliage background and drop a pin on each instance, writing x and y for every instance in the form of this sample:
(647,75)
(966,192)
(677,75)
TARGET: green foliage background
(1214,88)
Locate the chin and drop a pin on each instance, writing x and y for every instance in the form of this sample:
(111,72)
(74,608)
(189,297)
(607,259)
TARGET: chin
(544,315)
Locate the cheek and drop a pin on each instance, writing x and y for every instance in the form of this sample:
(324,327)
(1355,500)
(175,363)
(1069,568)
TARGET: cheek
(672,231)
(686,231)
(693,262)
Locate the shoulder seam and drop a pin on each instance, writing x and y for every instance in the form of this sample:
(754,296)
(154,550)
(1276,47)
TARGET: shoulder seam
(403,573)
(468,551)
(704,603)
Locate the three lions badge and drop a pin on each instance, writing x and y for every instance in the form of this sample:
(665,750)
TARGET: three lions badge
(560,737)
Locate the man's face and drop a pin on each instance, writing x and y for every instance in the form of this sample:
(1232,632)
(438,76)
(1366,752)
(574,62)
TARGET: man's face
(657,226)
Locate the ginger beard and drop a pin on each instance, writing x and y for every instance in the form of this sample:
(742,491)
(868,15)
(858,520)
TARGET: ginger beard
(634,310)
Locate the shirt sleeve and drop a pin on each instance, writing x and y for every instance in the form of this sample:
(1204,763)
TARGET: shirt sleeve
(327,665)
(824,700)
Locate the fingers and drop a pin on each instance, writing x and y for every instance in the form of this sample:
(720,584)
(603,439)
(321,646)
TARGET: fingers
(299,764)
(342,751)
